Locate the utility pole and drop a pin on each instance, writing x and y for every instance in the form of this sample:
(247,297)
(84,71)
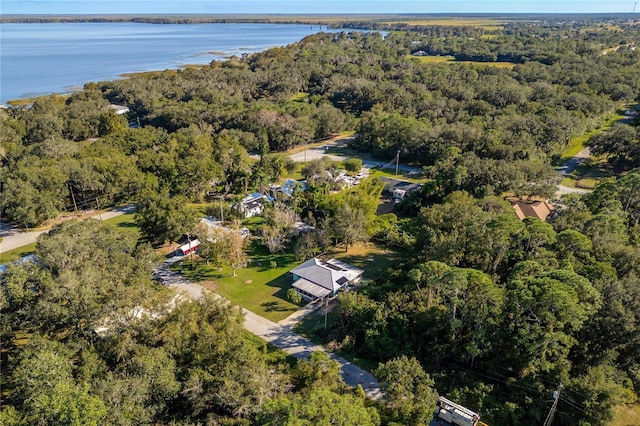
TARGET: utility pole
(98,206)
(556,396)
(73,197)
(397,161)
(325,313)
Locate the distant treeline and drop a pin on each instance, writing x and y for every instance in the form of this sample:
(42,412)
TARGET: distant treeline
(363,21)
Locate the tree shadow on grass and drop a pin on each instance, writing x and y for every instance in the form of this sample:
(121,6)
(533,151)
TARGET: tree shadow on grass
(199,271)
(275,307)
(127,225)
(282,283)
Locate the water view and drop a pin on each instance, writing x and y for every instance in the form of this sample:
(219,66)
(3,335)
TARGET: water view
(38,59)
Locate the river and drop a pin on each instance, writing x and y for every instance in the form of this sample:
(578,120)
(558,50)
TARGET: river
(39,59)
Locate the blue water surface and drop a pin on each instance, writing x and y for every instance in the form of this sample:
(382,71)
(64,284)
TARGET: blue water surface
(39,59)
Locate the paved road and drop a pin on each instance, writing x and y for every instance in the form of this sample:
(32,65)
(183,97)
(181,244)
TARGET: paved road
(562,190)
(13,238)
(281,336)
(572,163)
(321,151)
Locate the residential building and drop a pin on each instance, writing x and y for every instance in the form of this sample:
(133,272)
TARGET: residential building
(119,109)
(317,278)
(253,204)
(399,188)
(537,209)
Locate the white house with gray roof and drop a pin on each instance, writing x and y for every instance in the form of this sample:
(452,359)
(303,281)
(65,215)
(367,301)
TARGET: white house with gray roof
(317,278)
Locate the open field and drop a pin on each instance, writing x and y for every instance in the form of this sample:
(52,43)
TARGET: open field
(576,144)
(374,258)
(587,176)
(486,24)
(626,415)
(125,222)
(316,144)
(402,175)
(452,60)
(261,287)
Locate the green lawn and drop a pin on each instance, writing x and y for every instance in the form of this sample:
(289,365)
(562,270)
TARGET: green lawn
(262,288)
(392,174)
(125,222)
(576,144)
(588,175)
(259,287)
(452,60)
(8,256)
(375,259)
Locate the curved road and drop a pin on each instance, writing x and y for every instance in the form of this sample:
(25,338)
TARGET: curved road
(281,336)
(13,238)
(572,163)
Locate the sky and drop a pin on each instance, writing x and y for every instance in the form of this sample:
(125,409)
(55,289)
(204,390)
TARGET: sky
(312,6)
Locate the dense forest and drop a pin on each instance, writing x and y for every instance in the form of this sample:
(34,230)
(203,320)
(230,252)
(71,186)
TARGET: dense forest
(489,310)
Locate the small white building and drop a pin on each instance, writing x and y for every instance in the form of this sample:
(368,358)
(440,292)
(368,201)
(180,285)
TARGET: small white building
(253,204)
(119,109)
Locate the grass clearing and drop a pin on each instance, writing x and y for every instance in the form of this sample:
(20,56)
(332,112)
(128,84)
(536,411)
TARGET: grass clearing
(17,253)
(125,222)
(373,257)
(402,175)
(452,60)
(589,174)
(303,147)
(626,415)
(576,144)
(261,287)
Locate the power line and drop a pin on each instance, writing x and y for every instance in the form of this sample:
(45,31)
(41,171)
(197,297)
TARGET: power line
(556,397)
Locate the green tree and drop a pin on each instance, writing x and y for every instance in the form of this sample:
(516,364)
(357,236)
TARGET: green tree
(222,246)
(319,371)
(409,393)
(163,218)
(89,276)
(293,296)
(47,392)
(353,165)
(320,407)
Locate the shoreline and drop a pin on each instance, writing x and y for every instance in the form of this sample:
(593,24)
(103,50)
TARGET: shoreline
(211,45)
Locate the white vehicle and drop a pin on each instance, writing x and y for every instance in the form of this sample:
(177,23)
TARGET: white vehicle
(455,414)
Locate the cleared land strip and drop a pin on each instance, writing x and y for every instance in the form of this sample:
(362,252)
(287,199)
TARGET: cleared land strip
(282,337)
(13,238)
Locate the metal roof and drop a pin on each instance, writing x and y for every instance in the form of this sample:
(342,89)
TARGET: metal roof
(311,288)
(330,274)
